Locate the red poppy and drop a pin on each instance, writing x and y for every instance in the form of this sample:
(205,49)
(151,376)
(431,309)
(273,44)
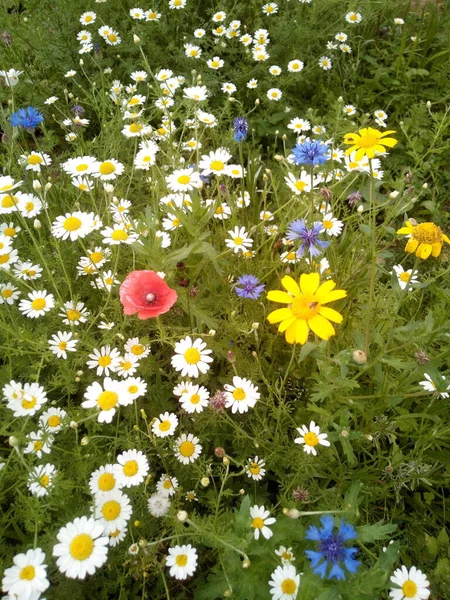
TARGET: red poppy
(145,293)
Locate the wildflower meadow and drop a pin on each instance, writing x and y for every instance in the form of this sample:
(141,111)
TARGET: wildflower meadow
(225,300)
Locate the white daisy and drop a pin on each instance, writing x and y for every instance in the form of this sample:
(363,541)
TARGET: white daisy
(195,399)
(80,165)
(284,583)
(134,346)
(274,94)
(132,468)
(74,313)
(239,241)
(183,180)
(412,584)
(38,303)
(260,520)
(25,401)
(215,162)
(182,561)
(241,396)
(61,343)
(165,424)
(286,555)
(405,278)
(429,385)
(106,398)
(112,509)
(82,548)
(73,225)
(27,578)
(311,437)
(39,443)
(167,486)
(52,419)
(40,479)
(103,479)
(255,468)
(127,365)
(187,448)
(191,357)
(331,225)
(108,169)
(8,293)
(104,360)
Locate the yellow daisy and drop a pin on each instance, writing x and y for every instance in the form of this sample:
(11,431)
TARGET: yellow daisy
(369,142)
(425,239)
(306,308)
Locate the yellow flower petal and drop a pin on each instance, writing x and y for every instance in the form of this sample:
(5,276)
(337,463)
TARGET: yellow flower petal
(350,150)
(411,246)
(321,327)
(290,285)
(360,154)
(331,314)
(278,296)
(291,332)
(279,315)
(446,238)
(424,251)
(437,247)
(309,282)
(387,133)
(323,290)
(370,152)
(301,332)
(390,142)
(405,231)
(332,296)
(285,324)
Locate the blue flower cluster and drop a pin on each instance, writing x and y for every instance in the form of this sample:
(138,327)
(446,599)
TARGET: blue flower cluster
(251,287)
(240,129)
(28,118)
(331,551)
(311,153)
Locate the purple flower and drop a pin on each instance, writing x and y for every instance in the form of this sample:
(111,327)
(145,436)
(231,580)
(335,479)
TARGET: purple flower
(78,110)
(331,550)
(251,287)
(311,152)
(28,118)
(309,238)
(240,129)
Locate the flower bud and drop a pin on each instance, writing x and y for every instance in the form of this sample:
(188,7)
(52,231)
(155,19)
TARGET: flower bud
(137,523)
(425,186)
(47,186)
(231,356)
(359,357)
(37,185)
(37,224)
(428,104)
(246,563)
(79,373)
(81,62)
(292,513)
(227,594)
(212,332)
(84,441)
(73,424)
(182,516)
(13,441)
(257,101)
(255,326)
(204,481)
(344,433)
(226,460)
(360,209)
(136,40)
(219,452)
(242,492)
(394,194)
(143,414)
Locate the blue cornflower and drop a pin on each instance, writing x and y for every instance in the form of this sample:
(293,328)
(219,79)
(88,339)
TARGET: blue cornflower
(251,287)
(311,152)
(28,118)
(309,237)
(240,129)
(77,110)
(331,551)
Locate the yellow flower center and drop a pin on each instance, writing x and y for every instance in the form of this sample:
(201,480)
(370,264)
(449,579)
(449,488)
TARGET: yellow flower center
(184,179)
(137,349)
(29,206)
(112,37)
(119,235)
(300,185)
(62,345)
(107,400)
(192,356)
(72,224)
(136,127)
(111,510)
(305,307)
(4,258)
(7,293)
(187,449)
(107,167)
(195,399)
(238,241)
(288,586)
(88,19)
(82,167)
(254,468)
(34,160)
(81,547)
(311,439)
(409,589)
(38,445)
(164,425)
(239,394)
(327,224)
(219,210)
(44,480)
(114,533)
(427,233)
(181,560)
(130,468)
(38,304)
(10,232)
(133,389)
(96,257)
(369,139)
(106,482)
(217,165)
(29,404)
(28,573)
(405,277)
(286,555)
(73,315)
(9,201)
(54,421)
(258,523)
(167,485)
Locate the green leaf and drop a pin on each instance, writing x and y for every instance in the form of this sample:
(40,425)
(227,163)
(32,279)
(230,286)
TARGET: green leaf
(372,533)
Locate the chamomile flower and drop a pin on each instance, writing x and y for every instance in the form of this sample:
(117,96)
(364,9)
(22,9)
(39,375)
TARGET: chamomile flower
(39,443)
(158,505)
(106,398)
(177,4)
(310,437)
(191,496)
(82,548)
(35,160)
(270,9)
(103,479)
(260,519)
(131,469)
(182,561)
(37,304)
(239,240)
(183,180)
(74,313)
(228,88)
(289,256)
(405,278)
(165,425)
(82,165)
(8,293)
(117,536)
(136,13)
(429,385)
(215,63)
(24,401)
(152,15)
(302,183)
(412,584)
(52,419)
(82,183)
(104,360)
(73,225)
(118,234)
(331,225)
(325,63)
(286,555)
(241,396)
(255,468)
(87,18)
(353,17)
(195,399)
(127,365)
(299,125)
(61,343)
(167,486)
(191,357)
(274,94)
(41,479)
(112,509)
(108,170)
(27,578)
(187,448)
(349,110)
(284,583)
(192,51)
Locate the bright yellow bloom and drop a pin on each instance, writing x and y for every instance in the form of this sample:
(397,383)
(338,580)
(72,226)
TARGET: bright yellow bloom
(368,142)
(306,308)
(425,239)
